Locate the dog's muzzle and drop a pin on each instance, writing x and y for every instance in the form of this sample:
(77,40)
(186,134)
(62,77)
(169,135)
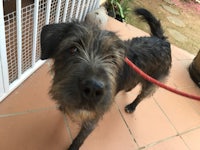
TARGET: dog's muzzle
(92,89)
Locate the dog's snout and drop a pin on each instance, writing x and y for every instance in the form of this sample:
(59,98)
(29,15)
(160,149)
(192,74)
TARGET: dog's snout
(92,89)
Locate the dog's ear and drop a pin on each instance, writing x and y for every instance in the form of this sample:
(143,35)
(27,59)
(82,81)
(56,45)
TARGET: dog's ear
(51,36)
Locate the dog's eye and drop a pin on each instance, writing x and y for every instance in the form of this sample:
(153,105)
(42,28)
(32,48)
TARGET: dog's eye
(73,50)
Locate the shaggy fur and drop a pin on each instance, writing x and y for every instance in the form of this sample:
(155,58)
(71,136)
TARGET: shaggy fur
(151,54)
(89,68)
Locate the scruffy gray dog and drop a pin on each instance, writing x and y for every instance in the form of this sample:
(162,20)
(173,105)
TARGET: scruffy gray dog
(89,68)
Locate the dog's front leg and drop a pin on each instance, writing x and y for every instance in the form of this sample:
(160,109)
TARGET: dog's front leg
(86,129)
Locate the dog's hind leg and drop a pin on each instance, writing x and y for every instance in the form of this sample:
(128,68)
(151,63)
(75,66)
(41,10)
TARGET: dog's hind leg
(147,89)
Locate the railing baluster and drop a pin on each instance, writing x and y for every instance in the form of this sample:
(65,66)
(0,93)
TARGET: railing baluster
(48,11)
(19,37)
(58,11)
(35,29)
(65,10)
(72,10)
(78,9)
(86,8)
(81,12)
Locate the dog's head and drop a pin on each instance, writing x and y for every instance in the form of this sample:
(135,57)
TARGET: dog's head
(86,63)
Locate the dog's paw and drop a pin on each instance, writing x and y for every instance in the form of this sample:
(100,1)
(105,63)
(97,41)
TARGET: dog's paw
(129,108)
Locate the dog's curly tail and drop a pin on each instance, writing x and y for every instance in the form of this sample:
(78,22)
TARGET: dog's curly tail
(155,26)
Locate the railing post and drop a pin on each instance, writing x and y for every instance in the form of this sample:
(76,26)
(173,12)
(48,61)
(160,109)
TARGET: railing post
(4,78)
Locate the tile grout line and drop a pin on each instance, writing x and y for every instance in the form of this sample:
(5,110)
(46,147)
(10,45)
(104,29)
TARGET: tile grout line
(157,142)
(185,142)
(189,130)
(177,132)
(124,120)
(148,145)
(165,115)
(170,137)
(26,112)
(68,127)
(185,132)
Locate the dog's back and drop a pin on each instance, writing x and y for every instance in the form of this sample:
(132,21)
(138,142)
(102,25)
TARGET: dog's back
(151,54)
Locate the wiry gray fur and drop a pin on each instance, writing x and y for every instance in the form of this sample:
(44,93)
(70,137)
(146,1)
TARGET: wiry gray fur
(89,68)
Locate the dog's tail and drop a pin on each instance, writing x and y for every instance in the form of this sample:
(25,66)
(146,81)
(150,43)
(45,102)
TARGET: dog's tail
(155,26)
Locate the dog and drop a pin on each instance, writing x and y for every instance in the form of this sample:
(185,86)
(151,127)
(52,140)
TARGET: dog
(89,68)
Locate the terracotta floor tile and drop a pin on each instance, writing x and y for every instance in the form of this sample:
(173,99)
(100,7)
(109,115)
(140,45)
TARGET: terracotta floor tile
(194,104)
(110,133)
(175,143)
(192,139)
(34,131)
(180,75)
(180,110)
(181,54)
(32,94)
(193,91)
(148,124)
(169,81)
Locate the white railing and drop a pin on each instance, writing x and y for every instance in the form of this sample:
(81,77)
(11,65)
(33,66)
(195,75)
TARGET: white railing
(20,32)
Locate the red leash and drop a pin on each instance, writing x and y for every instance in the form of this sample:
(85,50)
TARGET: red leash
(147,77)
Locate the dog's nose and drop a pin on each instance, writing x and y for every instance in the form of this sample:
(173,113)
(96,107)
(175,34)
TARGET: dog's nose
(92,89)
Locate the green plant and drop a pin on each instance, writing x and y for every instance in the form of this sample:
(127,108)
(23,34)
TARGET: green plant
(118,8)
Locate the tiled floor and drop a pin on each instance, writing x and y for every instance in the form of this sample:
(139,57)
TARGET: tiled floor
(29,119)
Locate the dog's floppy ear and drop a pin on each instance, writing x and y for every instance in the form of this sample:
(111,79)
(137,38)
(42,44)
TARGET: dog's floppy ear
(51,36)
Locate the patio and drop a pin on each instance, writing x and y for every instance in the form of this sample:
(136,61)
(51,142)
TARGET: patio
(29,119)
